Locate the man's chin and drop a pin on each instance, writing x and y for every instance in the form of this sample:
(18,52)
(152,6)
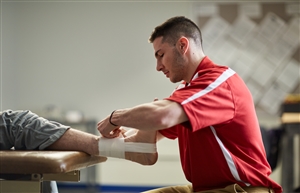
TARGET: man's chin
(173,81)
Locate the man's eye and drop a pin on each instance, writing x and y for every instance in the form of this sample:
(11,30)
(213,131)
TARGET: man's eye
(161,55)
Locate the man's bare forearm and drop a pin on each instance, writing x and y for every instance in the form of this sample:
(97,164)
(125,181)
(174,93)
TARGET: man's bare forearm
(150,116)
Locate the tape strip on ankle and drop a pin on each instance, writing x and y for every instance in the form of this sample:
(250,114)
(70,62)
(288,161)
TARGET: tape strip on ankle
(116,147)
(112,147)
(140,147)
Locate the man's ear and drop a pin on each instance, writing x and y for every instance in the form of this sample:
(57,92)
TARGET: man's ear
(182,45)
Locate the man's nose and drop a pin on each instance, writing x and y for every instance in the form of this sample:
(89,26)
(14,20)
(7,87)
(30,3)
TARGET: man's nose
(159,66)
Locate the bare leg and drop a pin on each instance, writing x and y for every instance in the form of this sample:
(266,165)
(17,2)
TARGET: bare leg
(76,140)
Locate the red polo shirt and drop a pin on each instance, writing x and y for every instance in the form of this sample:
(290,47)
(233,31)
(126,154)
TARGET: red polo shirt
(221,144)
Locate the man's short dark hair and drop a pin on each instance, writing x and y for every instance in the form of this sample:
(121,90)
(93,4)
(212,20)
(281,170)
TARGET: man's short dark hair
(175,27)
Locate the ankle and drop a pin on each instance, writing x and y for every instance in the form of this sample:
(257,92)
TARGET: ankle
(147,137)
(141,152)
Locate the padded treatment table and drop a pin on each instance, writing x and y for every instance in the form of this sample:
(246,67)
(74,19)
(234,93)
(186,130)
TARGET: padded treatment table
(24,171)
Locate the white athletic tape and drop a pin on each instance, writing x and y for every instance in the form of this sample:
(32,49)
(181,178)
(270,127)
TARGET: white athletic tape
(140,147)
(112,147)
(116,147)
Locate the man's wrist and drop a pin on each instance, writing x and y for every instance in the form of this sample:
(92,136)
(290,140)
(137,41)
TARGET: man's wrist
(111,115)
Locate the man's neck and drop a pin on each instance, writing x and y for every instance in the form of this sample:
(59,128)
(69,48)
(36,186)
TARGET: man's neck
(192,67)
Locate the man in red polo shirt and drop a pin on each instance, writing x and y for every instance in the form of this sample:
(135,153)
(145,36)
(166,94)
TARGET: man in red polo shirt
(211,113)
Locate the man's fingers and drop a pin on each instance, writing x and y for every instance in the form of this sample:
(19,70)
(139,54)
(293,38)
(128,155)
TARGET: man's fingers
(115,133)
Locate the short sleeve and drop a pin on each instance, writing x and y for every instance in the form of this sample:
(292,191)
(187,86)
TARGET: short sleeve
(170,133)
(211,108)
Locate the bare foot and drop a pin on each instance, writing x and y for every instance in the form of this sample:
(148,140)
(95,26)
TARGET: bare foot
(142,158)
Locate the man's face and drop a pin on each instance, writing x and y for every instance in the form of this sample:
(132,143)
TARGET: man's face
(169,60)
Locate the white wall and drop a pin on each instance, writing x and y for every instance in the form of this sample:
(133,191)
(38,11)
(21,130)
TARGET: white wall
(92,56)
(88,56)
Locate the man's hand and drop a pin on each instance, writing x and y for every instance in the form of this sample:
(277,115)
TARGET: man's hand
(108,130)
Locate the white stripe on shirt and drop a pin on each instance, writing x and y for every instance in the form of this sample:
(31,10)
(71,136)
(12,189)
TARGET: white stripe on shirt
(228,158)
(224,76)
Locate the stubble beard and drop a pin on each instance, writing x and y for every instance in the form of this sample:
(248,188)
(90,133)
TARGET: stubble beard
(177,67)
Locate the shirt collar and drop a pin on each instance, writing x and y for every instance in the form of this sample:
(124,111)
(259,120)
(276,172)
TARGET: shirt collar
(205,63)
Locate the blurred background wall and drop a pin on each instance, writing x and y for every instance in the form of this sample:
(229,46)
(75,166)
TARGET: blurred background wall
(93,57)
